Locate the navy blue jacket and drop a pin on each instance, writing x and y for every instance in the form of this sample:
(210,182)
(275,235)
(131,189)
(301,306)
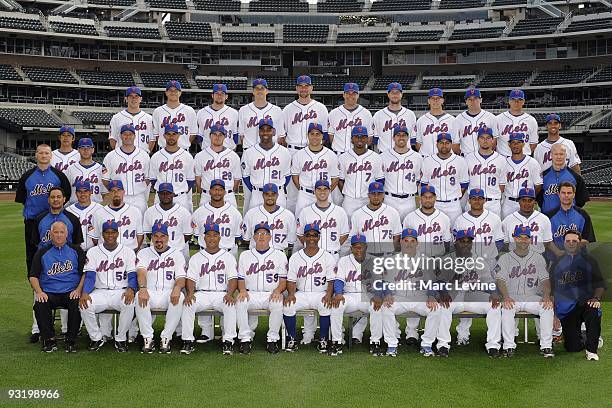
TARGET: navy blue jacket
(33,190)
(573,219)
(548,198)
(58,269)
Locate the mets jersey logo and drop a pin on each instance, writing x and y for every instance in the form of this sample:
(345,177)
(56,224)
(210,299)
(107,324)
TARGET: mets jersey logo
(254,120)
(353,276)
(521,128)
(345,123)
(208,123)
(156,265)
(166,166)
(304,271)
(370,225)
(512,176)
(389,125)
(424,229)
(256,268)
(562,229)
(124,168)
(355,168)
(210,165)
(439,173)
(310,166)
(171,222)
(207,268)
(435,129)
(223,219)
(396,166)
(41,189)
(106,266)
(167,121)
(479,169)
(470,130)
(261,164)
(517,271)
(300,116)
(60,267)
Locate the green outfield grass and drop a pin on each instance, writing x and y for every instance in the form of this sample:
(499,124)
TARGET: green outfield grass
(208,379)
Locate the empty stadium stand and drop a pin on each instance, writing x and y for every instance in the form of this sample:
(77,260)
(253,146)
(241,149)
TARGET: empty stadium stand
(8,73)
(383,82)
(508,2)
(339,6)
(605,123)
(232,84)
(113,2)
(93,118)
(218,5)
(13,166)
(189,31)
(248,36)
(504,79)
(601,176)
(336,82)
(21,23)
(476,33)
(40,74)
(27,117)
(401,5)
(167,4)
(305,33)
(567,118)
(363,37)
(159,79)
(447,83)
(107,78)
(570,76)
(605,75)
(275,6)
(459,4)
(73,28)
(589,25)
(536,26)
(133,32)
(420,35)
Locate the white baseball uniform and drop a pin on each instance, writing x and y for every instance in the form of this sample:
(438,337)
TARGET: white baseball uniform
(133,171)
(524,174)
(402,172)
(379,226)
(543,155)
(332,222)
(182,116)
(85,215)
(340,124)
(248,122)
(176,168)
(178,221)
(298,117)
(224,165)
(226,117)
(433,230)
(357,172)
(211,274)
(227,217)
(282,225)
(427,129)
(541,230)
(162,271)
(523,276)
(128,218)
(385,120)
(487,229)
(62,161)
(112,269)
(508,123)
(261,273)
(266,166)
(77,172)
(467,127)
(310,167)
(142,122)
(488,174)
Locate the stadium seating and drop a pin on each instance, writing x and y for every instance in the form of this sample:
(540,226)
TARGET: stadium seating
(339,6)
(21,23)
(248,36)
(159,79)
(27,117)
(570,76)
(232,84)
(13,166)
(536,26)
(167,4)
(73,28)
(477,33)
(305,33)
(509,2)
(605,123)
(107,78)
(504,79)
(601,176)
(133,32)
(275,6)
(447,83)
(189,31)
(459,4)
(589,25)
(336,82)
(113,2)
(605,75)
(363,37)
(280,83)
(567,118)
(218,5)
(421,35)
(401,5)
(8,73)
(383,82)
(93,118)
(39,74)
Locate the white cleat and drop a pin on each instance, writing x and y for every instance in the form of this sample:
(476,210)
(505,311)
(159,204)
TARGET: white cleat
(592,356)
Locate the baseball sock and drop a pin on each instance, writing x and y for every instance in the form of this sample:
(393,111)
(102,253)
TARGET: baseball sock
(324,322)
(290,324)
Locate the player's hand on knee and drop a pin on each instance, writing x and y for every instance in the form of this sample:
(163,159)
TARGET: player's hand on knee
(327,301)
(445,300)
(595,303)
(175,296)
(42,297)
(288,300)
(432,304)
(377,303)
(495,301)
(189,299)
(547,303)
(229,300)
(84,301)
(143,297)
(388,301)
(75,294)
(128,296)
(281,141)
(337,300)
(243,296)
(508,303)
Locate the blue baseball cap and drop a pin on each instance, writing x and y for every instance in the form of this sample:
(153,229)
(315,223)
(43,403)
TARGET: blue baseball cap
(351,87)
(321,183)
(315,126)
(409,232)
(174,84)
(445,136)
(168,187)
(517,136)
(312,227)
(476,192)
(133,90)
(521,230)
(464,233)
(485,131)
(436,92)
(516,94)
(218,128)
(68,129)
(262,225)
(85,142)
(110,224)
(115,184)
(211,227)
(217,182)
(270,187)
(159,227)
(303,79)
(266,122)
(526,193)
(359,131)
(472,92)
(82,185)
(260,81)
(171,128)
(376,187)
(553,116)
(394,86)
(428,189)
(220,88)
(358,239)
(128,128)
(400,129)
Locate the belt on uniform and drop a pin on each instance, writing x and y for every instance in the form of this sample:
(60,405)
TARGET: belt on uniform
(225,249)
(226,192)
(307,190)
(512,199)
(447,201)
(333,252)
(261,188)
(400,195)
(296,147)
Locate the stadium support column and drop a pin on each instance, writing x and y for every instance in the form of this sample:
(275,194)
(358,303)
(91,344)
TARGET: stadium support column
(376,60)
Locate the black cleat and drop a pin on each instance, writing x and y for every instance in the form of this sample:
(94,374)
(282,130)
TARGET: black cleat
(245,347)
(547,353)
(34,337)
(121,346)
(49,346)
(442,352)
(71,347)
(228,348)
(148,347)
(188,347)
(164,346)
(412,342)
(331,349)
(493,353)
(508,353)
(292,345)
(355,341)
(322,346)
(376,350)
(203,339)
(272,347)
(95,345)
(61,336)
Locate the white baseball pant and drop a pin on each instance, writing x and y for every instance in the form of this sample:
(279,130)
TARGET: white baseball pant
(432,321)
(185,199)
(353,302)
(259,300)
(509,206)
(103,299)
(452,209)
(533,307)
(206,301)
(404,206)
(337,197)
(228,198)
(141,201)
(307,300)
(292,197)
(493,205)
(493,322)
(351,204)
(303,200)
(159,300)
(257,198)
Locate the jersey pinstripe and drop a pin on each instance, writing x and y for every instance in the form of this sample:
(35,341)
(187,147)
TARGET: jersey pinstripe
(541,230)
(385,120)
(522,274)
(298,117)
(358,171)
(262,272)
(281,221)
(467,127)
(162,269)
(226,116)
(508,123)
(487,229)
(378,226)
(176,168)
(62,161)
(182,116)
(543,155)
(313,166)
(227,217)
(445,175)
(224,165)
(111,267)
(266,166)
(341,122)
(402,171)
(142,122)
(525,174)
(332,222)
(212,272)
(77,172)
(311,273)
(132,169)
(128,218)
(85,216)
(177,219)
(427,129)
(487,173)
(248,122)
(349,272)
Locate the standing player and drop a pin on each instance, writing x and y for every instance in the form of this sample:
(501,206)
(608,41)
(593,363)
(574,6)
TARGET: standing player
(486,170)
(161,274)
(358,168)
(212,280)
(402,172)
(174,165)
(523,283)
(394,115)
(522,171)
(267,162)
(250,116)
(129,165)
(434,122)
(262,279)
(217,162)
(471,122)
(86,169)
(570,217)
(343,119)
(543,154)
(65,155)
(309,286)
(110,283)
(218,114)
(448,174)
(84,209)
(132,115)
(313,163)
(175,113)
(514,120)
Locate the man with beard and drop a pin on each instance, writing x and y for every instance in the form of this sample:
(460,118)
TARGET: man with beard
(393,115)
